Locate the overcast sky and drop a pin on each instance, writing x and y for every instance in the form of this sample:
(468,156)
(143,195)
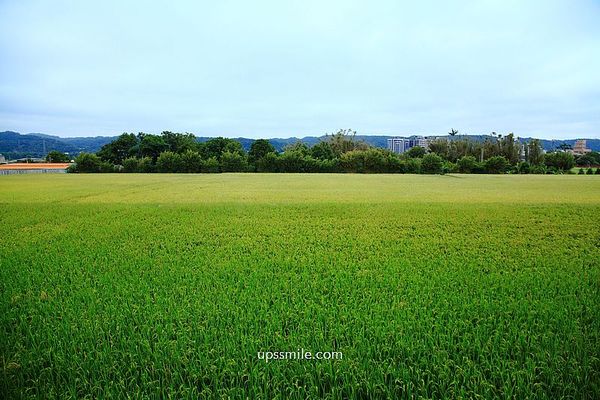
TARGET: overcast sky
(287,68)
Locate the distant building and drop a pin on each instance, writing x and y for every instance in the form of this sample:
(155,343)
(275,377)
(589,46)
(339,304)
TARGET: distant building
(400,145)
(33,168)
(2,159)
(580,147)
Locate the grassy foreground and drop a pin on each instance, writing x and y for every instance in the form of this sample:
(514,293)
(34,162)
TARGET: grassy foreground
(170,285)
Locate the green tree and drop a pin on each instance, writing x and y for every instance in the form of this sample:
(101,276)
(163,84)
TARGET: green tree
(353,161)
(298,146)
(217,146)
(233,162)
(179,142)
(376,160)
(496,165)
(461,148)
(146,165)
(564,147)
(328,165)
(269,163)
(191,162)
(168,161)
(130,164)
(467,164)
(394,164)
(413,165)
(491,146)
(510,148)
(259,149)
(344,141)
(431,164)
(559,160)
(106,167)
(535,152)
(151,146)
(588,159)
(57,157)
(523,167)
(119,149)
(416,152)
(440,147)
(322,151)
(211,165)
(87,163)
(291,161)
(449,167)
(538,169)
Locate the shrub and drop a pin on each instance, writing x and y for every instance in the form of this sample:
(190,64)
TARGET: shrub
(259,149)
(86,163)
(431,164)
(168,161)
(590,171)
(322,151)
(375,160)
(416,152)
(496,165)
(328,165)
(57,157)
(191,162)
(210,165)
(561,161)
(353,161)
(413,166)
(268,163)
(145,165)
(538,169)
(449,167)
(233,162)
(107,167)
(466,164)
(131,164)
(523,167)
(291,161)
(395,164)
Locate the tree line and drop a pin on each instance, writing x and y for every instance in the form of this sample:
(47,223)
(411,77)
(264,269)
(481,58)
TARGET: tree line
(172,152)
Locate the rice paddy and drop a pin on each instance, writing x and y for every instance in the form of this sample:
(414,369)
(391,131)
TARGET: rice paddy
(154,286)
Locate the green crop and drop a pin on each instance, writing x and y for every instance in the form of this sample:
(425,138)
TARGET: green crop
(155,286)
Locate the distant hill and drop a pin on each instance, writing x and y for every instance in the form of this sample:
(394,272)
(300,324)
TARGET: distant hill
(15,145)
(81,144)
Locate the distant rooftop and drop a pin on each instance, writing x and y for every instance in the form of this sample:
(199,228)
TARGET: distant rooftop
(33,166)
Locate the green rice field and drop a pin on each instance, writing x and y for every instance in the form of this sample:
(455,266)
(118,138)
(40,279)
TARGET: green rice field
(170,286)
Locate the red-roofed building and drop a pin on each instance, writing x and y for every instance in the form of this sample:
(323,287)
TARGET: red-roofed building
(33,168)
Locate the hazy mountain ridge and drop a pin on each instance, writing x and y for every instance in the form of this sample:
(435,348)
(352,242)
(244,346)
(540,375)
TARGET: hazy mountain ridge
(15,145)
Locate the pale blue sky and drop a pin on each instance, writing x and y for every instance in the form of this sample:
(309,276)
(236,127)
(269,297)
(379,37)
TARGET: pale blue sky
(296,68)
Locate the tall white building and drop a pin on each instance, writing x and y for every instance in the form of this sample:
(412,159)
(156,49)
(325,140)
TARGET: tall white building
(399,145)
